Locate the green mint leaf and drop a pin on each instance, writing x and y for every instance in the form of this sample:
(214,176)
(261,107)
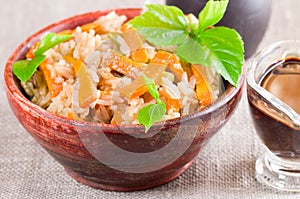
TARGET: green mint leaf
(219,47)
(212,13)
(162,25)
(151,87)
(193,52)
(24,69)
(228,48)
(150,114)
(49,41)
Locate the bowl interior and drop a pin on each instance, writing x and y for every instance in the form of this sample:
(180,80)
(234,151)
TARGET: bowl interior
(13,84)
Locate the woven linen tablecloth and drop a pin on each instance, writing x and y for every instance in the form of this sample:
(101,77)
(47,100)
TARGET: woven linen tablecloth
(225,169)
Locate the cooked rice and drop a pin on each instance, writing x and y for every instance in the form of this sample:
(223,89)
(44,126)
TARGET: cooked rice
(93,49)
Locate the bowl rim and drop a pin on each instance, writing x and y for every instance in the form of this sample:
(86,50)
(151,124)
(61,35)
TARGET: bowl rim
(12,88)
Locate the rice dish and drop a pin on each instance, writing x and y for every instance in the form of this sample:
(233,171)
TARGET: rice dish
(96,76)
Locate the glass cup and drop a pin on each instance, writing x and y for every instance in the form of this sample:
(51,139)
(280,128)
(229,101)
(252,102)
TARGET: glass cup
(277,123)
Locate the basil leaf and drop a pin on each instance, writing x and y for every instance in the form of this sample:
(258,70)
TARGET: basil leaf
(193,52)
(150,114)
(162,25)
(212,13)
(227,47)
(49,41)
(24,69)
(220,47)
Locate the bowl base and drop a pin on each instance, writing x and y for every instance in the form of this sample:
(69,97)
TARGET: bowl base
(160,181)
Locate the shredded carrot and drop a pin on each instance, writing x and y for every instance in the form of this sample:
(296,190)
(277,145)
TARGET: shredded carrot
(170,102)
(97,27)
(75,63)
(53,86)
(187,68)
(138,86)
(173,104)
(203,90)
(30,54)
(120,63)
(139,91)
(70,115)
(66,32)
(74,116)
(104,93)
(139,55)
(126,27)
(161,57)
(169,59)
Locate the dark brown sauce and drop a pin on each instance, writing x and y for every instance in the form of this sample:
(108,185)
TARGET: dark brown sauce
(283,81)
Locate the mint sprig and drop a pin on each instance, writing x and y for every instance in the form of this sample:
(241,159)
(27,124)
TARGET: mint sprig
(152,113)
(24,69)
(218,47)
(162,25)
(212,13)
(49,41)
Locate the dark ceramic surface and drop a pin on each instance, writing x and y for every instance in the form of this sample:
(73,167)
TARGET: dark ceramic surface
(249,17)
(75,144)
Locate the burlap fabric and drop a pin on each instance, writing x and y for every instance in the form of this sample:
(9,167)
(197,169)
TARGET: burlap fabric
(224,170)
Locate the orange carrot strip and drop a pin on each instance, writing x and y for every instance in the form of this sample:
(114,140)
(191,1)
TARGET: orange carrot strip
(172,104)
(203,89)
(70,115)
(138,86)
(30,54)
(169,59)
(66,32)
(97,27)
(53,86)
(120,63)
(75,63)
(126,27)
(139,55)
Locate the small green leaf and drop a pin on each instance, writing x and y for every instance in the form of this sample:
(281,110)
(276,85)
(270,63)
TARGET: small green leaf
(24,69)
(162,25)
(212,13)
(151,87)
(49,41)
(150,114)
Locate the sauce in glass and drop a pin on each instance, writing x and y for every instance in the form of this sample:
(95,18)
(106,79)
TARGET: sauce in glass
(282,79)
